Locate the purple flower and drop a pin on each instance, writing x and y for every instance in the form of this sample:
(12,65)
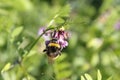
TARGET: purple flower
(117,25)
(47,35)
(55,41)
(61,35)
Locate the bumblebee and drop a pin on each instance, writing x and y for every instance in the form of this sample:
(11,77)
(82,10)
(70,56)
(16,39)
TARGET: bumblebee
(53,49)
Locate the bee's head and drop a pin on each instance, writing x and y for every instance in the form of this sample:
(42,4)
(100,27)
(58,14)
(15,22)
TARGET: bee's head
(54,40)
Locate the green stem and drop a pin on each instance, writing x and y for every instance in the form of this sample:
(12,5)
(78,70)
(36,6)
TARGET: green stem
(28,50)
(24,71)
(33,44)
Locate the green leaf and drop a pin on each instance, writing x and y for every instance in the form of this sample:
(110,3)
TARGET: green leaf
(63,74)
(65,11)
(29,77)
(95,59)
(110,78)
(59,20)
(88,77)
(62,58)
(31,53)
(99,76)
(82,78)
(95,43)
(51,23)
(16,31)
(6,67)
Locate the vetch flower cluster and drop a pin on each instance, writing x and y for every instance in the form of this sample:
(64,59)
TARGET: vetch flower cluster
(55,41)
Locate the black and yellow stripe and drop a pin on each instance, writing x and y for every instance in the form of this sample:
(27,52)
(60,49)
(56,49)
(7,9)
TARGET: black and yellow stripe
(54,45)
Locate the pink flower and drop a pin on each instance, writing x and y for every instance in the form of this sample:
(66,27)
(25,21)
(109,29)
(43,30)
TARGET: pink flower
(61,36)
(47,35)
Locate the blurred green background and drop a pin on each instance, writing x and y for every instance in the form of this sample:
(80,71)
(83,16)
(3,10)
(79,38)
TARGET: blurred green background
(94,43)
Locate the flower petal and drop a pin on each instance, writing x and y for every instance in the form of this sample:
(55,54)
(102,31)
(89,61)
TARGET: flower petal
(47,35)
(41,30)
(63,43)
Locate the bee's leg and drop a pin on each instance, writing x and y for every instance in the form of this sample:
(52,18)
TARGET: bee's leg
(60,49)
(44,50)
(59,52)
